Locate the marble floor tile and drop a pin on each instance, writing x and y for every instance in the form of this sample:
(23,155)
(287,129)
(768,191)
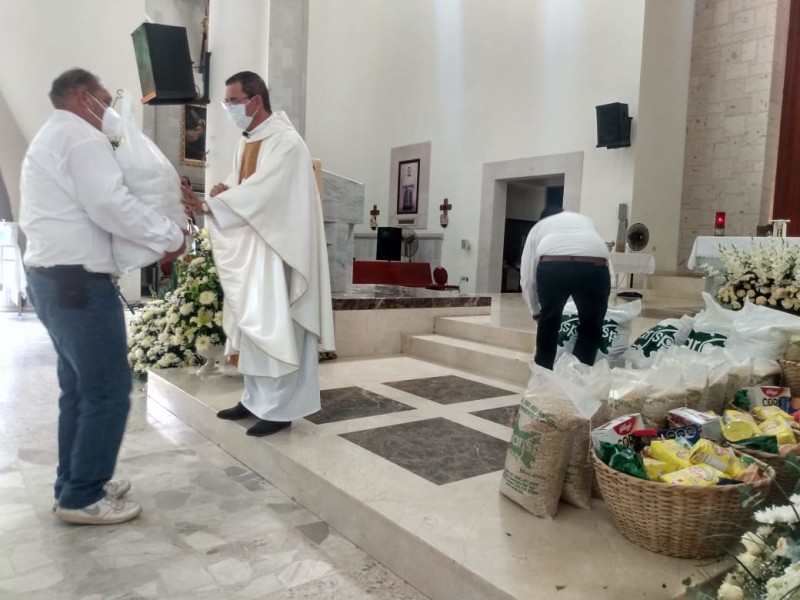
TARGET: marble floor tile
(439,450)
(352,402)
(449,389)
(504,415)
(211,528)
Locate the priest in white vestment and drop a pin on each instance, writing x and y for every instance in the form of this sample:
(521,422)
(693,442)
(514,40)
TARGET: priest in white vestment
(268,240)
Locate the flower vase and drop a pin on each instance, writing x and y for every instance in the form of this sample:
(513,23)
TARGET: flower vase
(212,354)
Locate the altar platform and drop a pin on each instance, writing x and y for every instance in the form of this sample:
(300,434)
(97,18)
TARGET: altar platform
(405,459)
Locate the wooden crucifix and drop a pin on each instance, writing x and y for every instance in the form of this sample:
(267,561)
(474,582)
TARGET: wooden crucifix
(444,207)
(373,217)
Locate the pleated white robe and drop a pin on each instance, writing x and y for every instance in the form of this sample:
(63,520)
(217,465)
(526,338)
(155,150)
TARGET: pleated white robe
(268,239)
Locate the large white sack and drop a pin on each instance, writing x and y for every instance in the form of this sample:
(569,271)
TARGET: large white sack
(150,177)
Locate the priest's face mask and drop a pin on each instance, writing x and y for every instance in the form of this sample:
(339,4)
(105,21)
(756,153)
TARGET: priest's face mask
(237,104)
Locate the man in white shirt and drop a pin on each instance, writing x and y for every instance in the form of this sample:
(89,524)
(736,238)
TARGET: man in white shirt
(565,256)
(73,202)
(268,239)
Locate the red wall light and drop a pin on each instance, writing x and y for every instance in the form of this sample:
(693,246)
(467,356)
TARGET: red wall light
(719,220)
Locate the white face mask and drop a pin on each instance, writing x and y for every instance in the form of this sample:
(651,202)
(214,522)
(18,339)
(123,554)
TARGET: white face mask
(111,122)
(236,113)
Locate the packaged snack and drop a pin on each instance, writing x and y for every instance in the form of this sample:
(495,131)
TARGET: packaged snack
(617,431)
(690,433)
(764,443)
(670,452)
(780,429)
(695,475)
(656,468)
(736,431)
(731,415)
(766,396)
(722,459)
(622,459)
(762,413)
(709,425)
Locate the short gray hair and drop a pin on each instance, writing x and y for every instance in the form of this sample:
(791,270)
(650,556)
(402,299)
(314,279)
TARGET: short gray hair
(66,83)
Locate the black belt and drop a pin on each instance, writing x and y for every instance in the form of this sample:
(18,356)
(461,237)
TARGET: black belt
(593,260)
(67,271)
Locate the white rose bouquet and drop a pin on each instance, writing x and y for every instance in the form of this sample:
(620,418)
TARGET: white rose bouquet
(768,274)
(169,332)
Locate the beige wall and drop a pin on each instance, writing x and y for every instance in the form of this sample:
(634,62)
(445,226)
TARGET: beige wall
(738,57)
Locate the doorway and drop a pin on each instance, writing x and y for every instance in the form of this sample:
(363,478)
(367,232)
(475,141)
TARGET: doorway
(565,171)
(525,200)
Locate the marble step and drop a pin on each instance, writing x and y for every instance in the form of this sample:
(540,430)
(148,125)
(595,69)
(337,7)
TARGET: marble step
(674,286)
(476,357)
(477,329)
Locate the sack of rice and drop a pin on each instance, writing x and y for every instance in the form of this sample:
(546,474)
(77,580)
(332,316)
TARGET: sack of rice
(693,372)
(667,391)
(616,330)
(628,391)
(587,387)
(712,326)
(668,333)
(540,446)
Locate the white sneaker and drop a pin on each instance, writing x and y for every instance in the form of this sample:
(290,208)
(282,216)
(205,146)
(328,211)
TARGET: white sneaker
(114,489)
(106,511)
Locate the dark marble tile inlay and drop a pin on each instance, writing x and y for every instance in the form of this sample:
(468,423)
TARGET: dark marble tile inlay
(439,450)
(341,404)
(448,389)
(505,415)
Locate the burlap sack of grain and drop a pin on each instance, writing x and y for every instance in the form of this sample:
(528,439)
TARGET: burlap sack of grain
(587,388)
(667,391)
(540,445)
(629,388)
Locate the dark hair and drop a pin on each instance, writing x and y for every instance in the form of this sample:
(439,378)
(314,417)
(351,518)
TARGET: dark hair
(252,85)
(550,210)
(66,83)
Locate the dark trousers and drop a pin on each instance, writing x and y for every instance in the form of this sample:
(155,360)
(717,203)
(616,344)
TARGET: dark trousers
(95,382)
(589,285)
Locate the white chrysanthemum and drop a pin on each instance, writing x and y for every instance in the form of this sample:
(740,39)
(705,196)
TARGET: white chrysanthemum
(147,341)
(197,261)
(764,531)
(207,297)
(139,353)
(782,586)
(730,592)
(202,343)
(751,563)
(218,318)
(777,514)
(173,318)
(186,309)
(177,339)
(753,544)
(163,337)
(212,270)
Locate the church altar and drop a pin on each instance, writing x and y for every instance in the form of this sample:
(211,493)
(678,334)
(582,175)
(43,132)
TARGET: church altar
(706,248)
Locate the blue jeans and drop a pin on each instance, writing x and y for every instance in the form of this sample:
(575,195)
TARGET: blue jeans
(589,285)
(95,382)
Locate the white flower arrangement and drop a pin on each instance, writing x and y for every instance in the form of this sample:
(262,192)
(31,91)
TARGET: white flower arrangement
(768,274)
(170,332)
(769,567)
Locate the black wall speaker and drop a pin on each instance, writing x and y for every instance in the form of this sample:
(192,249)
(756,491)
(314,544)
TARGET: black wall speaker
(613,125)
(389,241)
(165,65)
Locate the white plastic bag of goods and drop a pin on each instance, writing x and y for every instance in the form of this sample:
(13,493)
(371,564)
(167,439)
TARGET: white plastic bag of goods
(667,391)
(693,372)
(540,445)
(587,388)
(150,177)
(665,334)
(629,390)
(762,332)
(712,326)
(616,329)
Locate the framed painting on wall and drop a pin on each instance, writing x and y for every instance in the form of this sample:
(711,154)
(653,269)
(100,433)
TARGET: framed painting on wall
(193,135)
(408,187)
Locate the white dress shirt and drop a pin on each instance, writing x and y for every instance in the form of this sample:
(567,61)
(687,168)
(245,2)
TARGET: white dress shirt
(73,200)
(562,234)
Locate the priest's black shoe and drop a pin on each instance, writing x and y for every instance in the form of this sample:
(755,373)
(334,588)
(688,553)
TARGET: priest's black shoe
(235,413)
(263,428)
